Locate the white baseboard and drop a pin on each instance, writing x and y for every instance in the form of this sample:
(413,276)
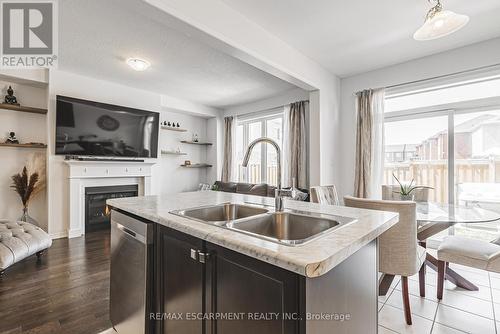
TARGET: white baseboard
(75,233)
(59,235)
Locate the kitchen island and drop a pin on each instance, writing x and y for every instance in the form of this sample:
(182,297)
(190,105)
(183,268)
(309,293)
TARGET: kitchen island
(204,278)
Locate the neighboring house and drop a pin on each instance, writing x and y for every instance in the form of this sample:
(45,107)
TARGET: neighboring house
(400,153)
(475,138)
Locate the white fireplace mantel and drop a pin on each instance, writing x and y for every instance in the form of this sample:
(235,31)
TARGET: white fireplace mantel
(83,174)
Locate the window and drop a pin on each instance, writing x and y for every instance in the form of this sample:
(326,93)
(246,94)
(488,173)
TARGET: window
(263,164)
(454,147)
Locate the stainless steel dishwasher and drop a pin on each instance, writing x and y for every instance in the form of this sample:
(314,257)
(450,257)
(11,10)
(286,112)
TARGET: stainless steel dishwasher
(131,274)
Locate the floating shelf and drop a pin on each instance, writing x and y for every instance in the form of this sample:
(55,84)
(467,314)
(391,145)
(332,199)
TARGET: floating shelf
(24,145)
(23,109)
(196,166)
(194,143)
(171,128)
(173,153)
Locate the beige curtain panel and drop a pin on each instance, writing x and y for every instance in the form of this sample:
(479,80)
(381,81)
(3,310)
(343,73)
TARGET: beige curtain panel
(227,163)
(296,146)
(369,143)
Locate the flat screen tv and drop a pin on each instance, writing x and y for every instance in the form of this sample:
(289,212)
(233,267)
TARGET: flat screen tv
(86,128)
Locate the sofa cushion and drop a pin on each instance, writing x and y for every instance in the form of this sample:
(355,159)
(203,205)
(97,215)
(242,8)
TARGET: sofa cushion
(252,189)
(228,187)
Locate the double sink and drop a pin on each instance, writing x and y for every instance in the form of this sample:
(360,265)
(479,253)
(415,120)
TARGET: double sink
(291,228)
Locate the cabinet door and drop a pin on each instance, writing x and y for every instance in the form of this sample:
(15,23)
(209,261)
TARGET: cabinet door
(179,283)
(258,293)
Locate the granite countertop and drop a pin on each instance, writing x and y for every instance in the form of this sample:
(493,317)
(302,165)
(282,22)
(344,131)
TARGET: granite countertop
(312,259)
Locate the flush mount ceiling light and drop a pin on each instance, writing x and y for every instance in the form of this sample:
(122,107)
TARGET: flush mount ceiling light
(138,64)
(439,23)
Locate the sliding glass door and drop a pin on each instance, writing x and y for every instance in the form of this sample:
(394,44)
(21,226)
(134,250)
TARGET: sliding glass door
(477,167)
(416,148)
(424,147)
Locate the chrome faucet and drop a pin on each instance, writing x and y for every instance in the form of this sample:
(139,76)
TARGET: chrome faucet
(279,192)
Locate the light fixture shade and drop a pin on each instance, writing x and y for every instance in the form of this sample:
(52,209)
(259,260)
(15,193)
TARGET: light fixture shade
(138,64)
(441,24)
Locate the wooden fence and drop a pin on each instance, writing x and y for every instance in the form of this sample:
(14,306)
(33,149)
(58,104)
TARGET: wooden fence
(255,174)
(434,173)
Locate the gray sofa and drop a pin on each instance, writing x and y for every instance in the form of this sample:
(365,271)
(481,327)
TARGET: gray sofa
(261,189)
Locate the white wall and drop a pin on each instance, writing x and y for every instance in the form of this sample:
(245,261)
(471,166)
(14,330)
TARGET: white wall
(28,128)
(168,177)
(171,177)
(450,62)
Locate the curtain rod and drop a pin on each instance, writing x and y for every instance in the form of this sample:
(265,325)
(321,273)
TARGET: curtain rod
(444,76)
(438,77)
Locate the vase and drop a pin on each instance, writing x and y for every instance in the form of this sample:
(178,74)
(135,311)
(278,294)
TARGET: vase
(408,197)
(27,218)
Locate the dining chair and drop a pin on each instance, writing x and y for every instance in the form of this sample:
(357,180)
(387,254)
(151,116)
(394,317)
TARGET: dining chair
(399,252)
(325,195)
(467,252)
(391,193)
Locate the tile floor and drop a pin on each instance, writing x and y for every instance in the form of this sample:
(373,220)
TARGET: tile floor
(460,311)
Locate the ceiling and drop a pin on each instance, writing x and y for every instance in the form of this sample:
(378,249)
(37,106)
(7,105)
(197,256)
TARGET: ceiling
(96,36)
(355,36)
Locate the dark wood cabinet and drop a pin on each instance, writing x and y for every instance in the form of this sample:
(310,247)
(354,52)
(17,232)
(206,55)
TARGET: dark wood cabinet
(180,283)
(222,291)
(263,298)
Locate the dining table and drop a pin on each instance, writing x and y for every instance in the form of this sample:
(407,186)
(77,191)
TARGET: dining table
(433,218)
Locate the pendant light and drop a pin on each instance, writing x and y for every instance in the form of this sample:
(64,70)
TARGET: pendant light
(439,23)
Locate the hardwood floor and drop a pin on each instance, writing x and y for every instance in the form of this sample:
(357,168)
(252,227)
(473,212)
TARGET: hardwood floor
(67,292)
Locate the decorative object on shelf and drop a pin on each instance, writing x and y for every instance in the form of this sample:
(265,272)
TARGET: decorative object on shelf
(108,123)
(195,137)
(439,23)
(406,190)
(178,125)
(168,124)
(29,184)
(10,98)
(187,162)
(12,138)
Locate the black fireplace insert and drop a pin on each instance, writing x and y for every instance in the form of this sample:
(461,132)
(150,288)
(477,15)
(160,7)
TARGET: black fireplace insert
(96,213)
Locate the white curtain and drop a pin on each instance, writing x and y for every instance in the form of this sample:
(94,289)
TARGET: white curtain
(369,143)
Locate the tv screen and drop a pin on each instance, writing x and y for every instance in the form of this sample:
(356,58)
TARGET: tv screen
(97,129)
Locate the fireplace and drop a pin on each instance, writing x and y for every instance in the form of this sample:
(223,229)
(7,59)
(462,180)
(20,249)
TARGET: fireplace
(96,214)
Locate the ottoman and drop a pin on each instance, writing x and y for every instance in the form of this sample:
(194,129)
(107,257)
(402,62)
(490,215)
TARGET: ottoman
(18,240)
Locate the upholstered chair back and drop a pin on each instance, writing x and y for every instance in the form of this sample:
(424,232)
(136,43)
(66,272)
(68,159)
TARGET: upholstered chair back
(325,195)
(391,193)
(398,253)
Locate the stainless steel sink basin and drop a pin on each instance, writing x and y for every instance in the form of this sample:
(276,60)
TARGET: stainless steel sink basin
(222,213)
(289,228)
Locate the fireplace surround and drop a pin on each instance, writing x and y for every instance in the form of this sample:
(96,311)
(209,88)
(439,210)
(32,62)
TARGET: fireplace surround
(90,174)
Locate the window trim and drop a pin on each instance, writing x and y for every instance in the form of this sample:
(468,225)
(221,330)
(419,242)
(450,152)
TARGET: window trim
(262,117)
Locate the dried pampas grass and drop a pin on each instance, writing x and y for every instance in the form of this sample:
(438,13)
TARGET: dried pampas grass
(31,180)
